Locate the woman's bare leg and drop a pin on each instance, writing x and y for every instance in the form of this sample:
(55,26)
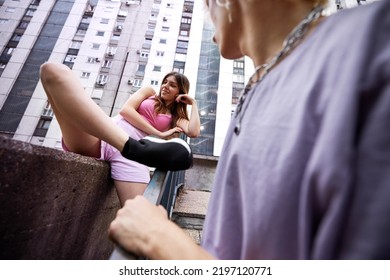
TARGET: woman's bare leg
(80,118)
(128,190)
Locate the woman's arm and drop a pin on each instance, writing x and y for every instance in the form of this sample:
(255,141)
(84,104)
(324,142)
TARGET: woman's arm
(144,229)
(192,127)
(130,114)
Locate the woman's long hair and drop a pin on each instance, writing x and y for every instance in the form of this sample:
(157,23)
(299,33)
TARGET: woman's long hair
(178,109)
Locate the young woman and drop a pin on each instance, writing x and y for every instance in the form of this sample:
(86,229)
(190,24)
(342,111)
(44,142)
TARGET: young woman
(88,131)
(305,168)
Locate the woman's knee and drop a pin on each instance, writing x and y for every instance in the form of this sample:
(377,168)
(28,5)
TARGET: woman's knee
(51,72)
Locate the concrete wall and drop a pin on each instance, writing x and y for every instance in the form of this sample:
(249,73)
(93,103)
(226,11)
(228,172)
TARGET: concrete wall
(53,205)
(201,175)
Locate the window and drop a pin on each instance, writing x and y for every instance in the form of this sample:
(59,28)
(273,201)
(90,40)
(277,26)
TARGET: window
(70,58)
(157,68)
(141,67)
(154,83)
(238,78)
(115,37)
(107,63)
(85,75)
(181,46)
(3,21)
(151,27)
(179,70)
(44,123)
(165,28)
(178,66)
(30,12)
(184,33)
(100,33)
(122,13)
(86,20)
(8,51)
(186,20)
(163,41)
(144,54)
(91,59)
(95,46)
(23,24)
(81,32)
(160,53)
(188,6)
(111,51)
(47,111)
(10,9)
(75,45)
(238,64)
(137,83)
(104,21)
(16,37)
(102,80)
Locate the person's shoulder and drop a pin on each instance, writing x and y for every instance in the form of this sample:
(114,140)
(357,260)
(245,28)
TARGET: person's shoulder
(353,27)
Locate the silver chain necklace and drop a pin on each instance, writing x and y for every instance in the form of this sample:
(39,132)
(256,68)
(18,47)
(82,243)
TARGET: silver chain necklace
(289,43)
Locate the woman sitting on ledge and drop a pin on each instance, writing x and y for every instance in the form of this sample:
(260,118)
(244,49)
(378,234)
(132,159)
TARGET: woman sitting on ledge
(88,131)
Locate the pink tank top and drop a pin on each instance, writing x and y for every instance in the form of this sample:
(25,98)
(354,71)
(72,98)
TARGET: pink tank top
(162,122)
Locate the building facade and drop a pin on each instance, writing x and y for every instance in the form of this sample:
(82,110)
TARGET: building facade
(115,47)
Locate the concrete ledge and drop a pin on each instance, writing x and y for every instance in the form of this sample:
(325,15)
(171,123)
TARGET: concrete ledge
(53,205)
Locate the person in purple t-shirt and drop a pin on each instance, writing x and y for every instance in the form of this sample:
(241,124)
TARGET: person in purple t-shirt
(88,131)
(305,168)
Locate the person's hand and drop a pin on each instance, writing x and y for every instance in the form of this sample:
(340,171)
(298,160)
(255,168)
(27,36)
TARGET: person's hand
(138,225)
(186,99)
(167,134)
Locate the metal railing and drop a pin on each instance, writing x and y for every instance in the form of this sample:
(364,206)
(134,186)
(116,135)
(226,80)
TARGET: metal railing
(161,190)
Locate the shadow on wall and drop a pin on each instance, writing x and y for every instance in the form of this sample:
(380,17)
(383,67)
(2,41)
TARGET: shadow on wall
(53,205)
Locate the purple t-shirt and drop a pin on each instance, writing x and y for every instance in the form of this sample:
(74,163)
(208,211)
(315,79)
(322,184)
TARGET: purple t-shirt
(308,177)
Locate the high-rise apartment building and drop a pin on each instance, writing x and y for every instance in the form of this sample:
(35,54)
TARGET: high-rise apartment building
(114,47)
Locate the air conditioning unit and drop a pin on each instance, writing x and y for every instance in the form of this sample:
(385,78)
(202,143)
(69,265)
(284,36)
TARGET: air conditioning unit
(110,53)
(165,19)
(138,51)
(119,27)
(97,59)
(130,82)
(101,83)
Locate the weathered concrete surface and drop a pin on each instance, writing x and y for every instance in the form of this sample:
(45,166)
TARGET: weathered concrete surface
(53,205)
(190,211)
(201,175)
(192,200)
